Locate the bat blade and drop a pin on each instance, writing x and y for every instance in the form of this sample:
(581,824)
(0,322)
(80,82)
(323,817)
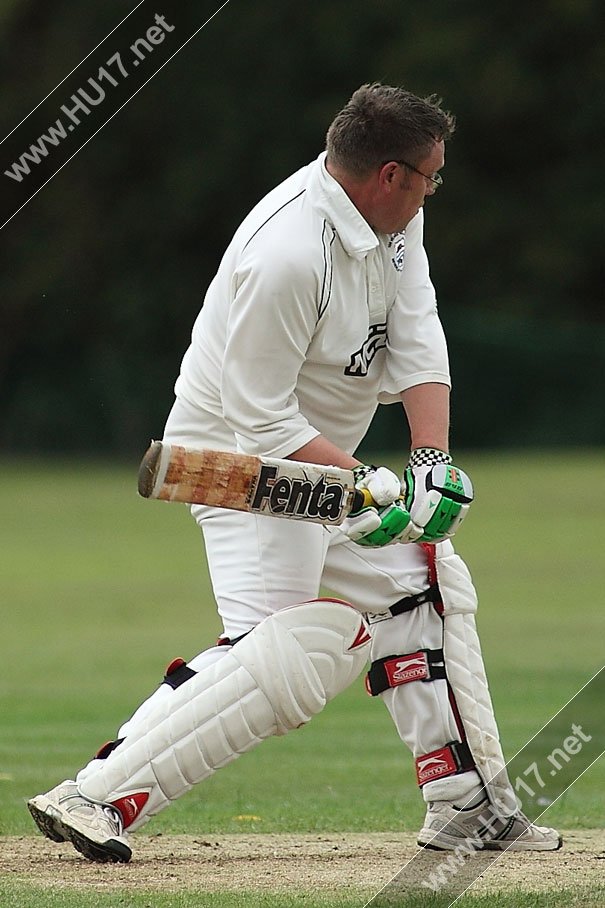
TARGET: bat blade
(243,482)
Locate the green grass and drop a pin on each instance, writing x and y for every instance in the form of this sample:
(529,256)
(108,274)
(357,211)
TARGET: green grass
(102,589)
(28,897)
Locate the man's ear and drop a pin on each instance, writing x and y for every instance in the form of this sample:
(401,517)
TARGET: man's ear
(387,173)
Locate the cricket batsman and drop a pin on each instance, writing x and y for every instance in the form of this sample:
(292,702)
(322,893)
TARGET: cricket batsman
(322,308)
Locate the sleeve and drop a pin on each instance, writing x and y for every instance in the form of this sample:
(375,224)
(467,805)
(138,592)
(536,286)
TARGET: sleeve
(416,345)
(272,318)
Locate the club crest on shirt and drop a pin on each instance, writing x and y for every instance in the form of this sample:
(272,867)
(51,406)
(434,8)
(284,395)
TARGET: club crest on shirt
(361,360)
(397,245)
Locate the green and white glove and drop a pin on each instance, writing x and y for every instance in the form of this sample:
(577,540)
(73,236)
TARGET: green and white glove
(385,519)
(437,494)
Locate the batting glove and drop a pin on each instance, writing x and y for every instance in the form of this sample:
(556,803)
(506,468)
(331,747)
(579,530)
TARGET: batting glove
(383,519)
(437,494)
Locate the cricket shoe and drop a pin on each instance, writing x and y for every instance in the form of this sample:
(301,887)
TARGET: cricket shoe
(95,830)
(446,827)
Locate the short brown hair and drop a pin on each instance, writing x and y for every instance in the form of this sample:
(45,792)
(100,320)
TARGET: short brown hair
(383,123)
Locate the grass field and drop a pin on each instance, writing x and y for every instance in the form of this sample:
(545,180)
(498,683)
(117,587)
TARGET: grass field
(102,589)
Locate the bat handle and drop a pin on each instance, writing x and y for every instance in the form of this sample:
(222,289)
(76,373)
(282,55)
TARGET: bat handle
(362,499)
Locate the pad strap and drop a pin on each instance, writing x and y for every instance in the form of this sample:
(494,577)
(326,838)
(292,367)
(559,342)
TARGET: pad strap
(392,671)
(177,673)
(104,751)
(409,603)
(450,760)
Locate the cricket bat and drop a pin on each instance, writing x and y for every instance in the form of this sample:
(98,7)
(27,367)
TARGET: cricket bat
(243,482)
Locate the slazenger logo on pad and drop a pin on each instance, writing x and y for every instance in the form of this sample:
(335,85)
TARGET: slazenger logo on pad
(434,765)
(412,668)
(131,806)
(298,497)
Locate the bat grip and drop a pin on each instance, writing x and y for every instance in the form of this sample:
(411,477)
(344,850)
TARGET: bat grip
(362,499)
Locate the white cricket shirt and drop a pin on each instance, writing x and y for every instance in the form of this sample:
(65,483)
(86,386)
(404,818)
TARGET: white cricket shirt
(311,320)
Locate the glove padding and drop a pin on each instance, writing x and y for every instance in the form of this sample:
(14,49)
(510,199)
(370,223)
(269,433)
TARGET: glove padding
(393,524)
(437,494)
(385,520)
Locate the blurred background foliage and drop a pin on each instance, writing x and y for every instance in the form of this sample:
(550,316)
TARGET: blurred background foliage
(105,269)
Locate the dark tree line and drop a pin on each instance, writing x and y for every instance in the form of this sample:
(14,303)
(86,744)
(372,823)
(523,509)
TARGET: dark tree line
(105,269)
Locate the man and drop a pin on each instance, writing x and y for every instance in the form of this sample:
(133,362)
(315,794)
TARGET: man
(322,307)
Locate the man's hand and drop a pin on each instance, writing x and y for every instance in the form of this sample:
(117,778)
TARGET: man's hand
(385,519)
(383,485)
(437,494)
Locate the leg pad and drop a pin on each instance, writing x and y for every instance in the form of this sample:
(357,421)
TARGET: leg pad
(275,679)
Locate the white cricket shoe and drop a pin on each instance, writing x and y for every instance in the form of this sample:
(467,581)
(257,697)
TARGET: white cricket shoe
(446,827)
(95,830)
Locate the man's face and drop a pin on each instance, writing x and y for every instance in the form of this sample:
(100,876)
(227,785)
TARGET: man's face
(405,188)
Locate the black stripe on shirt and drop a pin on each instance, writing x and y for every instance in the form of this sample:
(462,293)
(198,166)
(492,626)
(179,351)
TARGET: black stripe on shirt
(326,287)
(277,211)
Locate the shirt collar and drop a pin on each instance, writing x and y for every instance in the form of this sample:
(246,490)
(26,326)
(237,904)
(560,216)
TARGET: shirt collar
(356,235)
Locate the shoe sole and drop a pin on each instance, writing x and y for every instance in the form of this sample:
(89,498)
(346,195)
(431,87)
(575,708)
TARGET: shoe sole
(450,843)
(49,822)
(110,852)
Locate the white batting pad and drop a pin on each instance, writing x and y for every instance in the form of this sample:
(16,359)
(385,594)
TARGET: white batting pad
(466,674)
(275,679)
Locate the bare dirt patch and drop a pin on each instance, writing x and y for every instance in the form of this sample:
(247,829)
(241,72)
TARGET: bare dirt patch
(272,863)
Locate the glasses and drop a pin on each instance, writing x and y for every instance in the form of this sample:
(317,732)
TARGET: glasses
(435,178)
